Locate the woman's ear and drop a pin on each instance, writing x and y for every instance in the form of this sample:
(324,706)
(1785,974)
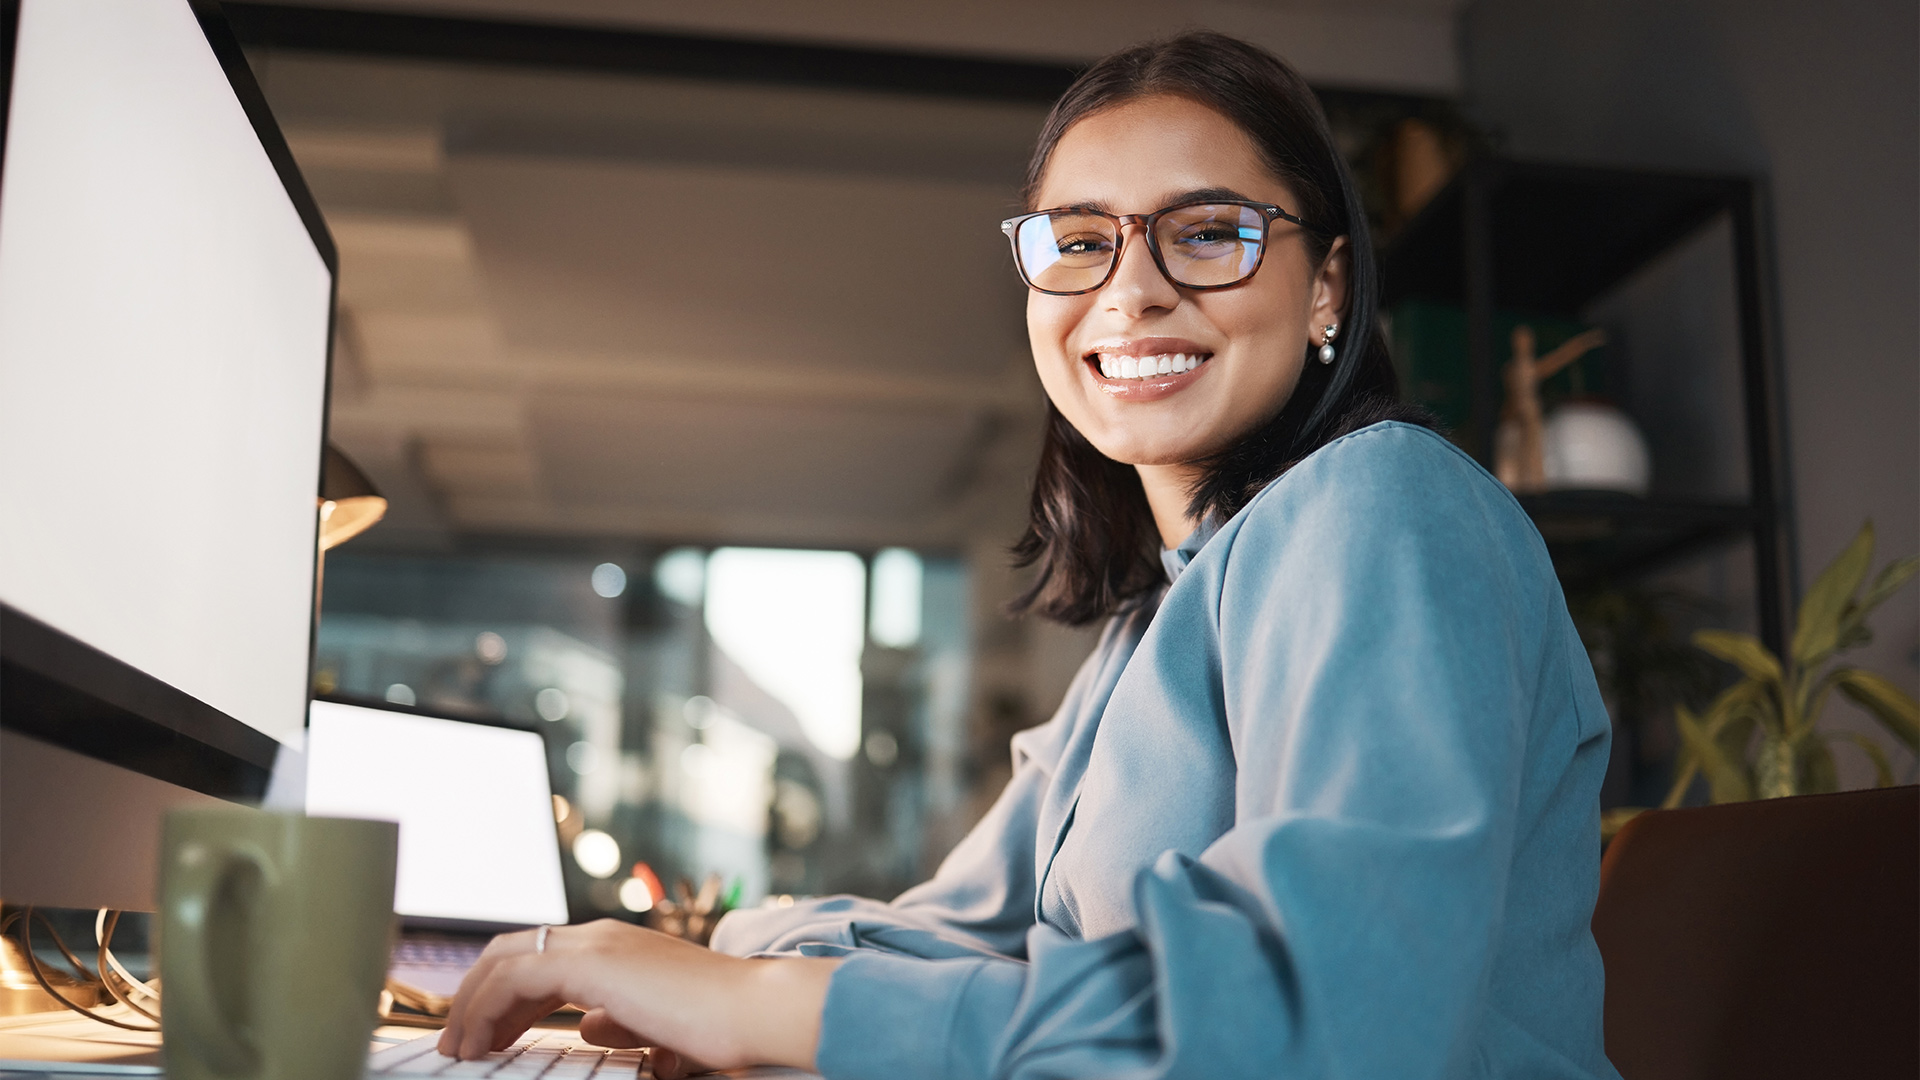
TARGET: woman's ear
(1330,284)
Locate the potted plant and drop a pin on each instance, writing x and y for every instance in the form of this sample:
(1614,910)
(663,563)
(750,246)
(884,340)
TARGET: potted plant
(1760,738)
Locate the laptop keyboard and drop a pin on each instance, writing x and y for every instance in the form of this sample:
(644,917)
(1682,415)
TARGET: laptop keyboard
(424,951)
(539,1055)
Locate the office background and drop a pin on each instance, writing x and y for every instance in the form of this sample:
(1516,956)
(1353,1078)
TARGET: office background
(752,344)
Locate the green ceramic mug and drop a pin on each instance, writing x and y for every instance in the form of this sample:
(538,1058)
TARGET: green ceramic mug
(275,931)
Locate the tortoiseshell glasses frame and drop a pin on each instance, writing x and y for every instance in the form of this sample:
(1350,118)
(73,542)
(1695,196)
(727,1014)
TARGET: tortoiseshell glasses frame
(1068,251)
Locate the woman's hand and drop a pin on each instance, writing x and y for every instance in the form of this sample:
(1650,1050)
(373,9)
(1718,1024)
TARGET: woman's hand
(640,988)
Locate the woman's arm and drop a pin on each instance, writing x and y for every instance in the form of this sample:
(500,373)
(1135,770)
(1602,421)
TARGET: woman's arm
(643,988)
(981,900)
(1386,627)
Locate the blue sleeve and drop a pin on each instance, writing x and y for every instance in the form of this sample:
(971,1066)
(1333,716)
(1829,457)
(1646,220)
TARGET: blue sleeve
(1378,623)
(980,901)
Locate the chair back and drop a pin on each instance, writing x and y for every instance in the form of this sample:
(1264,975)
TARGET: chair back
(1766,939)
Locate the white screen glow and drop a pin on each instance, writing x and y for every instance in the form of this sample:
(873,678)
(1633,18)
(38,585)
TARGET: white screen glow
(163,337)
(477,837)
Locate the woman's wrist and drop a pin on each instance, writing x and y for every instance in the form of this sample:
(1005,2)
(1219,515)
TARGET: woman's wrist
(783,1000)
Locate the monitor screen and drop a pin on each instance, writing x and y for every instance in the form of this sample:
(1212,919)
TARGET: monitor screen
(477,839)
(164,325)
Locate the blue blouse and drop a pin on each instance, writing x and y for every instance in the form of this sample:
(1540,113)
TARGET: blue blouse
(1328,809)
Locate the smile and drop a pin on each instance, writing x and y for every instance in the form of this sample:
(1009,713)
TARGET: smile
(1114,366)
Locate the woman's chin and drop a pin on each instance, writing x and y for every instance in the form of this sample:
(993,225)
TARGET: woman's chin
(1149,453)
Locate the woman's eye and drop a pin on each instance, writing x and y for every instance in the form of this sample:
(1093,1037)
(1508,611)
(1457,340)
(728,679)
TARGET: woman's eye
(1210,234)
(1084,245)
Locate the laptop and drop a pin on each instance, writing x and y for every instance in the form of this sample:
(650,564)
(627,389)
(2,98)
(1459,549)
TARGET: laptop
(479,850)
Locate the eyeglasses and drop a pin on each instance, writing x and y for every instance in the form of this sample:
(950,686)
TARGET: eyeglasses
(1198,245)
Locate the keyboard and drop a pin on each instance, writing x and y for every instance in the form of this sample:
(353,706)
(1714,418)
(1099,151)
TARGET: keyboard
(429,968)
(438,951)
(539,1055)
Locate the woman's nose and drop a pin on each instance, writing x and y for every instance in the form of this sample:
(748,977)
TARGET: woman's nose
(1137,285)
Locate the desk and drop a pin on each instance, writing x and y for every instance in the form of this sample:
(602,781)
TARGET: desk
(67,1046)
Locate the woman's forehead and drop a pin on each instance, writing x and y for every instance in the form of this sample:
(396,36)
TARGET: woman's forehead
(1142,154)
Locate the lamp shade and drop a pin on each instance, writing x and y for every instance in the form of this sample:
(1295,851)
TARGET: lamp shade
(349,503)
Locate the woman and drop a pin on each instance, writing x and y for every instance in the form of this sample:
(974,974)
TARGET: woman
(1324,799)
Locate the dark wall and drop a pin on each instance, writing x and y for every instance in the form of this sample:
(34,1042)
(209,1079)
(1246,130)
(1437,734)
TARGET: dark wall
(1820,99)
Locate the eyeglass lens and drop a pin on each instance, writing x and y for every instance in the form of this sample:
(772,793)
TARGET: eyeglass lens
(1202,245)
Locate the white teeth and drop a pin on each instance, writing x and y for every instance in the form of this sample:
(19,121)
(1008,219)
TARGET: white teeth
(1145,367)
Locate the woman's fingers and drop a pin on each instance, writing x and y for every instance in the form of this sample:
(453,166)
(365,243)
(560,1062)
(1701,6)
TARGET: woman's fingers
(512,988)
(673,1065)
(602,1030)
(502,946)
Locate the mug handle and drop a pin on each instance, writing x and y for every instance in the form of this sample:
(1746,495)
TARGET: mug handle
(195,1002)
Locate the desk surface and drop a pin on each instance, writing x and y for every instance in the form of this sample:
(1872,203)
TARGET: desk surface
(67,1046)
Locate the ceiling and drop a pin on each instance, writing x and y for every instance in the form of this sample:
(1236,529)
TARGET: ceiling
(1405,45)
(596,305)
(599,305)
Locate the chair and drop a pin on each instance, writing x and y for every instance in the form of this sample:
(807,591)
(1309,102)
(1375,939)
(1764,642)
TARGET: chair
(1765,939)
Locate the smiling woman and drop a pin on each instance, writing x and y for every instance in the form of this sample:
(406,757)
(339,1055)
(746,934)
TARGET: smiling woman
(1322,802)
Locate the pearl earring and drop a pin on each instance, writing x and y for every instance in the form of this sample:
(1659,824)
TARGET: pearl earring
(1327,335)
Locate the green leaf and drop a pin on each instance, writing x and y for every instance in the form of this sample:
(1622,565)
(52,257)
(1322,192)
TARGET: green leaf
(1853,621)
(1853,634)
(1889,704)
(1818,630)
(1882,768)
(1686,766)
(1888,582)
(1726,775)
(1743,651)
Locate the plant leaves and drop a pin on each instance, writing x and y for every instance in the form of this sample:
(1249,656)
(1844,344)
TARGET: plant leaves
(1686,766)
(1743,651)
(1882,768)
(1889,704)
(1818,630)
(1853,628)
(1726,775)
(1888,581)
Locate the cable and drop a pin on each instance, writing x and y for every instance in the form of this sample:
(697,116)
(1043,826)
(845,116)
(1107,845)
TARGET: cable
(25,918)
(103,927)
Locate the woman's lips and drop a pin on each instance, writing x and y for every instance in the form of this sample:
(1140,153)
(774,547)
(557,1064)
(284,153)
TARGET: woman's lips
(1136,376)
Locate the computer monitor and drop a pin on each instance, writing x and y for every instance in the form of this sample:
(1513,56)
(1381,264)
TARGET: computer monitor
(166,302)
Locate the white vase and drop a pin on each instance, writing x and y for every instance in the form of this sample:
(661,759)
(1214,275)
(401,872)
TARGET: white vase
(1592,446)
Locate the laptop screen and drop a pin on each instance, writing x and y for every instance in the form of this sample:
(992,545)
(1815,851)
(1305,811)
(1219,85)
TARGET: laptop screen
(477,841)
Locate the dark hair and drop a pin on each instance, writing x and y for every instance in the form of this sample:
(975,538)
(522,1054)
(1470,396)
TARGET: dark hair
(1089,530)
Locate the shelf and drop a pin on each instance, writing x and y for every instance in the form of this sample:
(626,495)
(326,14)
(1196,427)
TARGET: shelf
(1561,235)
(1602,535)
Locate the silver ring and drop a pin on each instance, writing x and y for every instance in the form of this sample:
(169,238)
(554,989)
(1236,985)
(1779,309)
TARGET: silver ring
(540,939)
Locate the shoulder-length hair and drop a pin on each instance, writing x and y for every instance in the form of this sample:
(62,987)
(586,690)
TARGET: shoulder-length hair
(1090,533)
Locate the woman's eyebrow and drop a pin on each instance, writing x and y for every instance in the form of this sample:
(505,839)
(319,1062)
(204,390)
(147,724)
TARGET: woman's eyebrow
(1213,194)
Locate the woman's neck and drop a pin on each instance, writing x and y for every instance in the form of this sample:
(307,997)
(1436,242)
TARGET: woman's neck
(1168,488)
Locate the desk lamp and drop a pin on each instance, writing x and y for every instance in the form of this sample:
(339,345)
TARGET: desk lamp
(349,504)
